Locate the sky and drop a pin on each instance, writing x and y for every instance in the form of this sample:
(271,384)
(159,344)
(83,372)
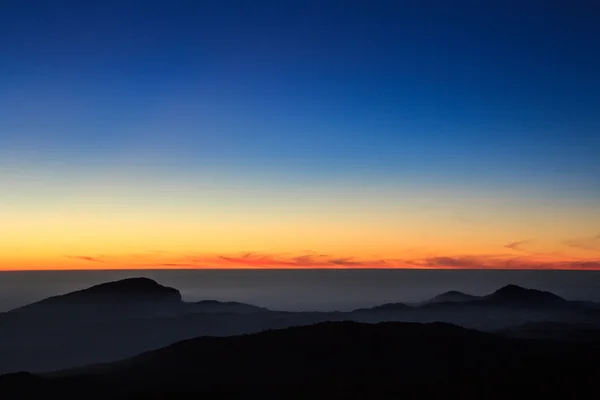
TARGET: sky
(299,134)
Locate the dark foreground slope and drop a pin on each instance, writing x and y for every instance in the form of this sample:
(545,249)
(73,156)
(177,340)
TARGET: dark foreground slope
(327,360)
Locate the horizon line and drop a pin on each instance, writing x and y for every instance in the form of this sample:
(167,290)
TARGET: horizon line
(296,269)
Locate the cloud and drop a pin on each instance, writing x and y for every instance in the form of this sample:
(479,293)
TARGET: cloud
(517,245)
(174,265)
(504,262)
(258,260)
(87,258)
(349,261)
(252,260)
(462,262)
(301,261)
(307,259)
(589,264)
(588,244)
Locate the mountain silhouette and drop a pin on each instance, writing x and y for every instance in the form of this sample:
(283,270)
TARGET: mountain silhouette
(513,294)
(112,320)
(131,290)
(321,360)
(120,319)
(451,296)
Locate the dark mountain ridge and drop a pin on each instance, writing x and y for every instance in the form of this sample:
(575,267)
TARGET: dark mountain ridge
(130,294)
(451,296)
(513,294)
(126,291)
(120,319)
(139,290)
(331,357)
(386,308)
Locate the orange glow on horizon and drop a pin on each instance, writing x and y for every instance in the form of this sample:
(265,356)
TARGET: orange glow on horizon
(165,260)
(123,222)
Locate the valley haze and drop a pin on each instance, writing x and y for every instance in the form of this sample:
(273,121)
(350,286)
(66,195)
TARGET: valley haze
(304,290)
(134,337)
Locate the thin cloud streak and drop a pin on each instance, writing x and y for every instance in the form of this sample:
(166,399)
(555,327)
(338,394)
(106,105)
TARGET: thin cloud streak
(87,258)
(587,244)
(251,260)
(300,261)
(507,263)
(517,245)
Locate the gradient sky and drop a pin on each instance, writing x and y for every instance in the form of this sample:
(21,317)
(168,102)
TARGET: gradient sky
(342,134)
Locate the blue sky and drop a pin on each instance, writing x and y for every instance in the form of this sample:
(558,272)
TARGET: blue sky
(509,88)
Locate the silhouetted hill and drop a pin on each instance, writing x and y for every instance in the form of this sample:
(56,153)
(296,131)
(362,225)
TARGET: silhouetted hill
(132,297)
(126,291)
(123,294)
(335,358)
(120,319)
(513,294)
(507,307)
(451,296)
(110,321)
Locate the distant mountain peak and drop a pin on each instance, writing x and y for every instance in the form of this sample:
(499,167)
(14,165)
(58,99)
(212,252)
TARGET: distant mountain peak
(128,285)
(128,290)
(454,292)
(513,288)
(515,293)
(517,290)
(451,296)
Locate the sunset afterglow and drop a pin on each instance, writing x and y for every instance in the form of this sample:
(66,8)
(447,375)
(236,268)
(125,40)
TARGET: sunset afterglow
(296,139)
